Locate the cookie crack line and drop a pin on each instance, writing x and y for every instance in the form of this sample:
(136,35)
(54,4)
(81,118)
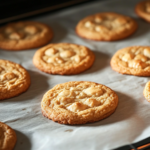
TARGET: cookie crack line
(63,103)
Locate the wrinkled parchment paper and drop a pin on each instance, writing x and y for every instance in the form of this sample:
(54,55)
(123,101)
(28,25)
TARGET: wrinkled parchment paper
(130,122)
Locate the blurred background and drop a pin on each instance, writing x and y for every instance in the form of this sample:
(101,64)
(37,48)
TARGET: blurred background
(12,10)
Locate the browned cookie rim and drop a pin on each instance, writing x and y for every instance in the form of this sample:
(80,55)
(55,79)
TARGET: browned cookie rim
(18,91)
(126,70)
(145,16)
(11,140)
(72,118)
(146,91)
(37,61)
(112,38)
(30,44)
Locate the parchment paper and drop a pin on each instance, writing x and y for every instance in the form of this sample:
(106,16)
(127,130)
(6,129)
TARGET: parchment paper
(130,122)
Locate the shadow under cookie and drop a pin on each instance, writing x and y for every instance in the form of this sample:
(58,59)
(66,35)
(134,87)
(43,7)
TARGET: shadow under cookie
(125,109)
(23,142)
(101,62)
(59,30)
(143,28)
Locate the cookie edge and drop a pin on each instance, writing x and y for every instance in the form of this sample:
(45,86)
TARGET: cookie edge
(56,118)
(145,92)
(14,136)
(79,69)
(110,38)
(28,83)
(43,42)
(127,71)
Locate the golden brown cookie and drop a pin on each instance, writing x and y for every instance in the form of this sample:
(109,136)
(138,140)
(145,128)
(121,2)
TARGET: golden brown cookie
(106,26)
(7,137)
(143,10)
(24,35)
(79,102)
(146,91)
(134,60)
(14,79)
(63,58)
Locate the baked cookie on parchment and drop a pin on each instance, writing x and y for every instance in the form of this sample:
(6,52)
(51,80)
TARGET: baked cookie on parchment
(14,79)
(106,26)
(63,58)
(142,9)
(134,60)
(146,91)
(7,137)
(79,102)
(24,35)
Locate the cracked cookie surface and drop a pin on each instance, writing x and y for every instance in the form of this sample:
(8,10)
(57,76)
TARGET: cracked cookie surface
(63,58)
(24,35)
(146,91)
(79,102)
(106,27)
(142,9)
(14,79)
(7,137)
(134,60)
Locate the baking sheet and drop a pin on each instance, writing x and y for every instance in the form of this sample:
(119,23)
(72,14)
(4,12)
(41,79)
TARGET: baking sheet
(130,122)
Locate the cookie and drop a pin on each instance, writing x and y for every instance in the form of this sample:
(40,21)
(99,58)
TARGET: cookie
(79,102)
(7,137)
(134,60)
(146,91)
(106,26)
(142,9)
(63,58)
(14,79)
(24,35)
